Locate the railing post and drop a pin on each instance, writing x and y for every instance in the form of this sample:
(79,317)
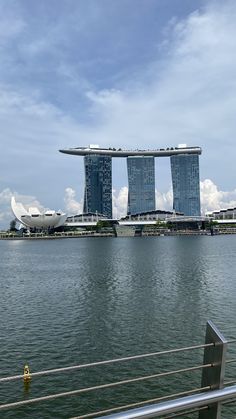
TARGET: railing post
(213,376)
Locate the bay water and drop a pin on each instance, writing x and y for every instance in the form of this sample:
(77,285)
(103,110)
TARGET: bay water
(75,301)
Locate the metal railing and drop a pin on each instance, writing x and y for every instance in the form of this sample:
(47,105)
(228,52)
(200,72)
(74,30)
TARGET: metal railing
(183,405)
(207,398)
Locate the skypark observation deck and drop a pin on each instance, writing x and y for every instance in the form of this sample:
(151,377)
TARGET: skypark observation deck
(113,152)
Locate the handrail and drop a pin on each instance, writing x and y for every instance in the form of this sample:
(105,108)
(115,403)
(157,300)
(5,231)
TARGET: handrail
(229,361)
(210,393)
(177,405)
(140,403)
(102,386)
(109,361)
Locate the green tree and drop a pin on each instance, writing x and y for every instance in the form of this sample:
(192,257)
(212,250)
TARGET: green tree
(160,224)
(169,225)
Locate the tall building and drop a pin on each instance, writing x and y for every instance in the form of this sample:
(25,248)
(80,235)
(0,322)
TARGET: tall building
(141,181)
(98,185)
(141,178)
(185,182)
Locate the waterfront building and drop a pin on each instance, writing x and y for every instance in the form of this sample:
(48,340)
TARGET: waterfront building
(157,215)
(141,181)
(223,214)
(34,218)
(141,178)
(98,185)
(86,218)
(185,182)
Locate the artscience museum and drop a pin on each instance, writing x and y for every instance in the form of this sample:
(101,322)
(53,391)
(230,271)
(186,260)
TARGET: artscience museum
(34,218)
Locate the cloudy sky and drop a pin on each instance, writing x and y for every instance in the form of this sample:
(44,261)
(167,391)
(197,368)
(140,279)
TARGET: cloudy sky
(120,73)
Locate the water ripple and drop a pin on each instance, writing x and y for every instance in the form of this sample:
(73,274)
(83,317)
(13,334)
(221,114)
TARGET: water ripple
(76,301)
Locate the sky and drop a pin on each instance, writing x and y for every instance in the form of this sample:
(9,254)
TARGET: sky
(128,73)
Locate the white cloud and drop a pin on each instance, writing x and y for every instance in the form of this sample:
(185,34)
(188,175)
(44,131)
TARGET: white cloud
(6,214)
(72,206)
(120,202)
(164,201)
(21,104)
(189,97)
(214,199)
(211,199)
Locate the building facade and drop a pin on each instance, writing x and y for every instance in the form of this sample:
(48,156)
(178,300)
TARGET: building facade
(98,185)
(141,181)
(223,214)
(141,178)
(33,218)
(186,185)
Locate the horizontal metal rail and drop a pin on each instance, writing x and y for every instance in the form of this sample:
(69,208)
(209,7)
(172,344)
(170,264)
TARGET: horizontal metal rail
(229,383)
(179,405)
(188,412)
(102,386)
(229,361)
(107,362)
(157,399)
(174,404)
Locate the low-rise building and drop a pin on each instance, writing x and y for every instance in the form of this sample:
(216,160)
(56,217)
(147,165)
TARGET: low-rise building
(223,214)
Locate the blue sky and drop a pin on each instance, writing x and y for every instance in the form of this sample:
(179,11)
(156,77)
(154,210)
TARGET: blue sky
(122,73)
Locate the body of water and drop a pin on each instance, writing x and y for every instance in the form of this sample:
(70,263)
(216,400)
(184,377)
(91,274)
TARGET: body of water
(76,301)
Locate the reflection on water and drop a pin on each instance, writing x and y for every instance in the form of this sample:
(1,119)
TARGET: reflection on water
(73,301)
(26,388)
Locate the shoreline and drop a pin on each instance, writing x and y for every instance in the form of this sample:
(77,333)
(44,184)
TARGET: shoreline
(6,236)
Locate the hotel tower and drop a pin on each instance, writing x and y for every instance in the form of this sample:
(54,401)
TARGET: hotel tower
(141,178)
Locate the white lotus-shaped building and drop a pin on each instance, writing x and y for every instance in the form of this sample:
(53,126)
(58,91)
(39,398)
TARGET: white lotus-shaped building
(33,218)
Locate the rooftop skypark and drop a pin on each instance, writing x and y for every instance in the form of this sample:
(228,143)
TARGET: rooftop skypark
(113,152)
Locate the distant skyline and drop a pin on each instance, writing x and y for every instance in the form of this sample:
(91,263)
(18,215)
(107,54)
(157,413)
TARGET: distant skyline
(128,73)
